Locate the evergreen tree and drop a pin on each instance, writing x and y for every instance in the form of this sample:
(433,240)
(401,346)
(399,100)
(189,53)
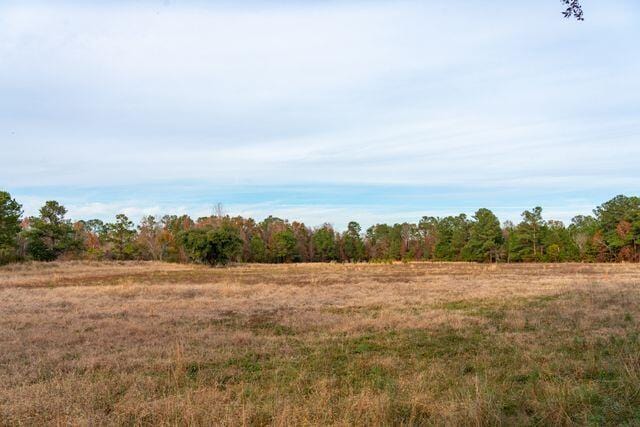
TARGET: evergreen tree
(453,234)
(558,244)
(619,220)
(527,244)
(121,235)
(10,212)
(50,234)
(485,237)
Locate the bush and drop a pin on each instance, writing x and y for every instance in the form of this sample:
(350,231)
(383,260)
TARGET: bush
(212,245)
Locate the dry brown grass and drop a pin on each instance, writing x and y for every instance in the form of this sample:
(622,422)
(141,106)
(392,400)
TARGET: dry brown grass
(437,343)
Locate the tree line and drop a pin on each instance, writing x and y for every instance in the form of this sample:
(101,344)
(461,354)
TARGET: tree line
(611,234)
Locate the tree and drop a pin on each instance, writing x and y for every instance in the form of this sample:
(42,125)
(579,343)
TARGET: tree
(558,243)
(619,220)
(212,245)
(527,243)
(149,238)
(352,244)
(97,226)
(257,249)
(485,237)
(410,246)
(324,244)
(452,236)
(247,230)
(583,231)
(173,227)
(284,246)
(384,242)
(304,244)
(121,235)
(611,234)
(50,234)
(92,235)
(10,212)
(509,239)
(428,229)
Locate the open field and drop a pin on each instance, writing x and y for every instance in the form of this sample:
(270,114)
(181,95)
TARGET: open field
(415,344)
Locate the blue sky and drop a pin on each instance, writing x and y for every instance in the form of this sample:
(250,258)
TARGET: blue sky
(319,110)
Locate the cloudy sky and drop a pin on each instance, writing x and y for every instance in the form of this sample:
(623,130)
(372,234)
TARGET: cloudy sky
(319,110)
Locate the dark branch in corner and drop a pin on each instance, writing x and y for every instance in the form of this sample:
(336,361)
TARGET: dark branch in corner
(574,9)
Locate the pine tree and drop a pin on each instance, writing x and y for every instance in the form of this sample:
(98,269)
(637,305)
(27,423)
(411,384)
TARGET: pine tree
(10,212)
(485,237)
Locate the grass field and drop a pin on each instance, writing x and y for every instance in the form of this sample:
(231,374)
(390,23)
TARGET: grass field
(413,344)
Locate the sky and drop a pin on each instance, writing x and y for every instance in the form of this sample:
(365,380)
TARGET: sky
(319,110)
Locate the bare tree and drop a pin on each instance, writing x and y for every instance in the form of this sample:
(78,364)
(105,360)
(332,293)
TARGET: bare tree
(218,210)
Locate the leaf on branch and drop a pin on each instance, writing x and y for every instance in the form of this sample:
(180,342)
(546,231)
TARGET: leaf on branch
(574,9)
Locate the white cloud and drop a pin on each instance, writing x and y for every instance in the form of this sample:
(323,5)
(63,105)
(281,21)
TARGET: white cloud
(360,93)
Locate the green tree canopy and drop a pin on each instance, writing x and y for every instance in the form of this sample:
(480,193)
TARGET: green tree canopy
(324,244)
(284,246)
(257,249)
(352,244)
(453,233)
(50,234)
(619,219)
(527,244)
(10,213)
(485,237)
(212,245)
(121,235)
